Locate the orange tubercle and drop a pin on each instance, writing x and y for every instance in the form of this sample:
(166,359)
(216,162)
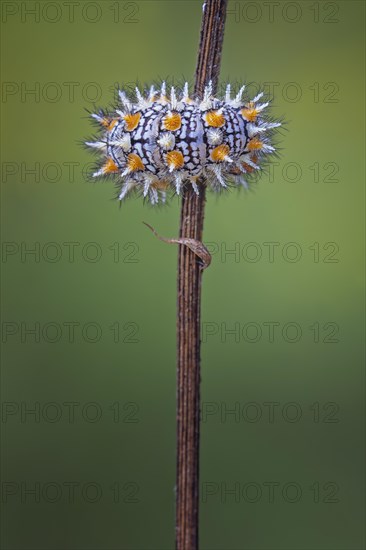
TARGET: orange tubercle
(172,122)
(254,144)
(134,163)
(132,121)
(174,159)
(220,153)
(249,112)
(109,123)
(110,166)
(215,119)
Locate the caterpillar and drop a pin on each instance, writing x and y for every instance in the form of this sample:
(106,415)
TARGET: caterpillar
(160,143)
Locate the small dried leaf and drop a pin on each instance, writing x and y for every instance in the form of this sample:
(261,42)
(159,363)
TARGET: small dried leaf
(196,246)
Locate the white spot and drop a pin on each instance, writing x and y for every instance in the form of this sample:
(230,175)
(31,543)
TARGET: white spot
(167,141)
(214,136)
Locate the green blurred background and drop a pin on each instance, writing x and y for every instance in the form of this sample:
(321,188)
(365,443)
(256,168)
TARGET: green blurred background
(285,471)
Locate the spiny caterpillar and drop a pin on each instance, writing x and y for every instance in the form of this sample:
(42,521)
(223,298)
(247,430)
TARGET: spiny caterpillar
(161,143)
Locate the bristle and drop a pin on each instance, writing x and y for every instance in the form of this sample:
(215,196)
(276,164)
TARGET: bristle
(124,143)
(124,100)
(248,160)
(125,189)
(194,185)
(97,144)
(173,98)
(228,93)
(253,130)
(239,95)
(217,170)
(163,196)
(98,118)
(185,91)
(262,106)
(152,93)
(154,196)
(208,90)
(243,182)
(257,97)
(206,102)
(178,183)
(138,94)
(142,103)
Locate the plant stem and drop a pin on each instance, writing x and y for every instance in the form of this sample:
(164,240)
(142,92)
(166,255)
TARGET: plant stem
(189,301)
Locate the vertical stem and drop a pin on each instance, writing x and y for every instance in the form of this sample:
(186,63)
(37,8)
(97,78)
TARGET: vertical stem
(189,302)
